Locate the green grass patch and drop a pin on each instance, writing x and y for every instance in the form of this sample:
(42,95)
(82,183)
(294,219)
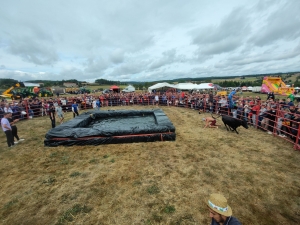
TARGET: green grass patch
(169,209)
(94,161)
(49,181)
(10,204)
(153,190)
(71,213)
(65,160)
(75,174)
(53,154)
(157,218)
(137,183)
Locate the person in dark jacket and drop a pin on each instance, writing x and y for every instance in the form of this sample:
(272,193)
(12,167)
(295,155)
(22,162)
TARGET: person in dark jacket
(14,128)
(271,96)
(52,115)
(271,115)
(219,211)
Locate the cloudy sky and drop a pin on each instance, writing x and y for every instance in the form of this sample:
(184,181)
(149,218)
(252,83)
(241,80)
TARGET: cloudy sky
(135,40)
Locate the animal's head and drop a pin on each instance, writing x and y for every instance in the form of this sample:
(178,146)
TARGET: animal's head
(244,124)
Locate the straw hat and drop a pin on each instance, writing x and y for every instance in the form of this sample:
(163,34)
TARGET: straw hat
(218,203)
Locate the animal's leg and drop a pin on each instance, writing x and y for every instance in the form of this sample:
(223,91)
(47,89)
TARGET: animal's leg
(226,126)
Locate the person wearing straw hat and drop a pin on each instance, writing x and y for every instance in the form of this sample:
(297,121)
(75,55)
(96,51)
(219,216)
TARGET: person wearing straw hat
(219,211)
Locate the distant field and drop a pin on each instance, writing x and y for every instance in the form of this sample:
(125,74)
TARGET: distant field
(235,79)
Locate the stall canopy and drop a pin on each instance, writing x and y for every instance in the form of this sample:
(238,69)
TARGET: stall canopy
(129,88)
(160,85)
(114,88)
(204,86)
(182,86)
(186,86)
(27,84)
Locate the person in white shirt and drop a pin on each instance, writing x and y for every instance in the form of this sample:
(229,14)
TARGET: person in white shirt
(7,129)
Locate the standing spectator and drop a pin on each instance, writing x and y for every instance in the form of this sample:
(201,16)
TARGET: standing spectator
(255,110)
(14,128)
(52,115)
(246,111)
(230,98)
(271,115)
(223,105)
(211,97)
(1,112)
(240,110)
(289,103)
(60,113)
(270,96)
(156,99)
(8,108)
(98,104)
(75,109)
(7,129)
(261,114)
(16,111)
(64,104)
(94,104)
(45,108)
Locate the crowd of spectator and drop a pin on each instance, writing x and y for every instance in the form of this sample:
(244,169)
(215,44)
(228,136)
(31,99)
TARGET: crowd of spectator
(279,116)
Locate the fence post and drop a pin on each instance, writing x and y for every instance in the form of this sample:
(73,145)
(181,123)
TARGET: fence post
(276,119)
(296,147)
(26,108)
(256,117)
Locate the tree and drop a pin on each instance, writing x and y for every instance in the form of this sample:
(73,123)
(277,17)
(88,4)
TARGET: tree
(7,83)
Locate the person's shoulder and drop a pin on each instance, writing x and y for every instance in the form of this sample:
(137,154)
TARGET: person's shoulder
(234,221)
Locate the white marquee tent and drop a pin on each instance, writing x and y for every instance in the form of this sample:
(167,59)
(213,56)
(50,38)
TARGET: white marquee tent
(160,85)
(205,86)
(182,86)
(185,86)
(129,88)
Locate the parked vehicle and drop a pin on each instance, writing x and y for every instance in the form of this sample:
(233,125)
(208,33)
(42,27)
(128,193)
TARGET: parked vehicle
(256,89)
(105,91)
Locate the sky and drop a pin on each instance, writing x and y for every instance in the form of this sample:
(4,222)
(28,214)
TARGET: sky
(134,40)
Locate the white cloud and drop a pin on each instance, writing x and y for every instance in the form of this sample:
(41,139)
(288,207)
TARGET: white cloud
(147,40)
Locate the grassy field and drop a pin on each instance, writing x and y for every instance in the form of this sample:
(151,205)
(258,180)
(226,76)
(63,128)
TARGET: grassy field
(234,79)
(149,183)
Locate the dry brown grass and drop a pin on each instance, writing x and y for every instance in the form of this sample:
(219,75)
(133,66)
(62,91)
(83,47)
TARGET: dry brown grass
(149,183)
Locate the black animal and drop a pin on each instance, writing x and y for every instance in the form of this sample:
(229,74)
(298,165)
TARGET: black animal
(233,123)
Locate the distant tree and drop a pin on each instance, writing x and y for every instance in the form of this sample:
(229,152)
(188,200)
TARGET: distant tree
(7,83)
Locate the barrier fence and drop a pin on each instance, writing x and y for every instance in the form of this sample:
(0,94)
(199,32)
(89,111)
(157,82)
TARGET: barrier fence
(277,119)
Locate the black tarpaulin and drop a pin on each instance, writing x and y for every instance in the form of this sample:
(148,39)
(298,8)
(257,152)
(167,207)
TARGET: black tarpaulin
(112,127)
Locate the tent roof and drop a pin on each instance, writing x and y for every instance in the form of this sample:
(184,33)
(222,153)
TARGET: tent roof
(161,85)
(27,84)
(205,86)
(186,86)
(114,87)
(129,88)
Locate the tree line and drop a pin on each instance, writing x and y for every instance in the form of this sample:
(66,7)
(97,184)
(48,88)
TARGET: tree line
(287,78)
